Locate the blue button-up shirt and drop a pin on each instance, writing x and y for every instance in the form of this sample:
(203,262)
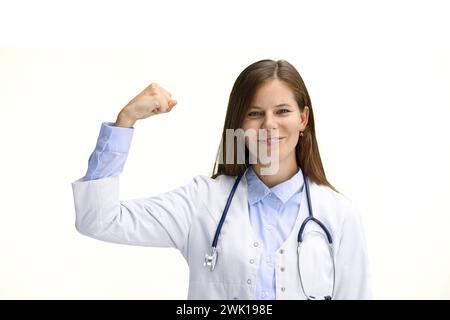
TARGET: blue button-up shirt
(110,153)
(273,211)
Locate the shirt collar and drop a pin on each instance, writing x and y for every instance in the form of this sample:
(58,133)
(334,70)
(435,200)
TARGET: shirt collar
(257,190)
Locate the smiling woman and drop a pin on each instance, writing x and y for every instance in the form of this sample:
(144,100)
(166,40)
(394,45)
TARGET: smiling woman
(284,235)
(271,95)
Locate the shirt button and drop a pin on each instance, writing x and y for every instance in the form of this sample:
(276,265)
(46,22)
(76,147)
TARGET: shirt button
(281,251)
(255,244)
(282,269)
(252,261)
(263,294)
(249,281)
(283,289)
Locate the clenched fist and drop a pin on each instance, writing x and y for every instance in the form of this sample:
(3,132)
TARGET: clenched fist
(151,101)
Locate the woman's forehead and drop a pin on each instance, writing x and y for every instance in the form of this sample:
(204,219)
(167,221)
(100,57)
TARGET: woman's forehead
(272,94)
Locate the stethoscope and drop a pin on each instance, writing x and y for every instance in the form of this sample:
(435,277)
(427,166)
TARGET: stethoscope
(211,259)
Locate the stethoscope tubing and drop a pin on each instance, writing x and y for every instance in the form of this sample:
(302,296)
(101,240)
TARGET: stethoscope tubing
(211,259)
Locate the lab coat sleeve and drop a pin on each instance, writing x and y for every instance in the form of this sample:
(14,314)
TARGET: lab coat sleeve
(353,281)
(162,220)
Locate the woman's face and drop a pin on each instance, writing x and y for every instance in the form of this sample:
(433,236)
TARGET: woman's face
(275,111)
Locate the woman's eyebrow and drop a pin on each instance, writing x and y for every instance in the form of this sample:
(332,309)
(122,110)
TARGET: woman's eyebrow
(277,106)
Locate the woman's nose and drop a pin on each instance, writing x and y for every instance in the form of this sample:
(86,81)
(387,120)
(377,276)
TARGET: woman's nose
(269,122)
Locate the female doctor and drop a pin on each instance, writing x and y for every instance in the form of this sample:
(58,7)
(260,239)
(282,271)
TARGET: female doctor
(272,229)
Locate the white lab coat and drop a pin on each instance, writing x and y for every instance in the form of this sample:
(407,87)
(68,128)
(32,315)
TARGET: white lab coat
(186,218)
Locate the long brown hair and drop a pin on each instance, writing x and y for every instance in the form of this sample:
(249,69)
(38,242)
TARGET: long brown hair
(306,151)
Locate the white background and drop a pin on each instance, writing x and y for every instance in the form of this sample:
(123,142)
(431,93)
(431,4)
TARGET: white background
(378,74)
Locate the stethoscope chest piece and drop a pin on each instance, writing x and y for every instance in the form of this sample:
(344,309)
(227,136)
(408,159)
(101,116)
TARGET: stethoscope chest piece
(211,259)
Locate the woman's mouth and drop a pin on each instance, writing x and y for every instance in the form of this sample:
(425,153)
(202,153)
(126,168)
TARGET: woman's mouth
(271,141)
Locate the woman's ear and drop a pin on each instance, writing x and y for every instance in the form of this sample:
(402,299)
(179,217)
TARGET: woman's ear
(304,116)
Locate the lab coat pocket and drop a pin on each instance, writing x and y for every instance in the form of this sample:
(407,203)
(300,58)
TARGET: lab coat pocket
(237,292)
(316,266)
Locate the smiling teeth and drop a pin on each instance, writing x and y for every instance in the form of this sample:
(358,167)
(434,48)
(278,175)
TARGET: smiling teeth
(270,140)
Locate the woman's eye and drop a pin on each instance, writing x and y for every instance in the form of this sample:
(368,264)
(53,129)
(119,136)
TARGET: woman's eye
(255,113)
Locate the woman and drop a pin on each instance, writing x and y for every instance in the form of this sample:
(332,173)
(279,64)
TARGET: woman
(252,250)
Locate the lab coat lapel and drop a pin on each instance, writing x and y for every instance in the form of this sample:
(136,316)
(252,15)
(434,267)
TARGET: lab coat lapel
(237,220)
(218,198)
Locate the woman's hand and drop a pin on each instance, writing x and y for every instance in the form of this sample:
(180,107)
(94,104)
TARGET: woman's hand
(151,101)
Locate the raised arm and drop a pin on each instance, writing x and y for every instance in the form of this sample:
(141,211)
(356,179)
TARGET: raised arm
(162,220)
